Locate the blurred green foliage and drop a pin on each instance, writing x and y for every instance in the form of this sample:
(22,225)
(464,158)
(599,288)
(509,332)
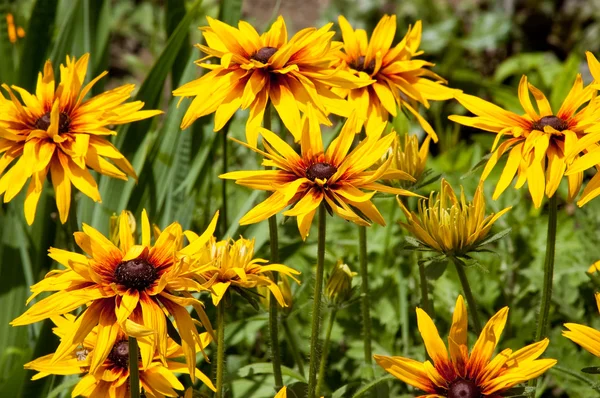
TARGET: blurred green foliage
(482,47)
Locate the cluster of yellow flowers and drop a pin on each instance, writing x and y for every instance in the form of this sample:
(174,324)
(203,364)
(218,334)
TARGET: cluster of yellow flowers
(119,296)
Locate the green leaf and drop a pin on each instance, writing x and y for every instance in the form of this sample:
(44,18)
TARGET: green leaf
(267,368)
(564,82)
(495,237)
(371,385)
(37,42)
(230,11)
(175,12)
(591,370)
(8,50)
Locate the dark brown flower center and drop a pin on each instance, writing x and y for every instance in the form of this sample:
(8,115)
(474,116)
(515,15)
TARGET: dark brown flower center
(64,122)
(119,354)
(322,171)
(552,121)
(136,274)
(462,388)
(359,65)
(264,54)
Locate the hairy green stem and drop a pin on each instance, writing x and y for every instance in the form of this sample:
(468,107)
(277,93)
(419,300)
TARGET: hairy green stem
(273,317)
(220,348)
(223,180)
(542,326)
(544,315)
(576,375)
(321,377)
(291,339)
(134,371)
(365,302)
(316,310)
(462,275)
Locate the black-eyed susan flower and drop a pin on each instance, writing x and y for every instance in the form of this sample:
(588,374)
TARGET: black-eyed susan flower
(542,146)
(254,70)
(335,177)
(228,263)
(450,226)
(58,131)
(111,379)
(399,80)
(454,373)
(129,286)
(588,338)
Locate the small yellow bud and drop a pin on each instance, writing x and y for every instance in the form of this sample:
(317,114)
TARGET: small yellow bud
(114,226)
(339,284)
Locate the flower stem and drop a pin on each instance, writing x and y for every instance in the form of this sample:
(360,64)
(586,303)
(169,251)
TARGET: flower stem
(425,303)
(321,377)
(365,302)
(293,346)
(223,180)
(316,310)
(273,318)
(542,326)
(134,371)
(576,375)
(460,270)
(220,348)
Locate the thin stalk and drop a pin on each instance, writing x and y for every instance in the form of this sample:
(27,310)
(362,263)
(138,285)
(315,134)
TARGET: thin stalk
(543,320)
(460,270)
(223,180)
(542,326)
(134,371)
(425,303)
(71,225)
(316,310)
(325,351)
(220,348)
(404,318)
(291,339)
(576,375)
(365,302)
(273,318)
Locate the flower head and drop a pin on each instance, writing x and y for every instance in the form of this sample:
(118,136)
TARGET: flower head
(58,131)
(257,69)
(339,285)
(542,146)
(409,158)
(457,373)
(333,177)
(399,80)
(588,338)
(157,379)
(447,225)
(128,286)
(228,263)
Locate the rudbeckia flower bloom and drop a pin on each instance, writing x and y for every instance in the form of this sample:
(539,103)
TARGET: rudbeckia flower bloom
(455,373)
(111,379)
(228,263)
(398,80)
(334,177)
(409,158)
(128,286)
(254,70)
(588,338)
(58,131)
(447,225)
(542,146)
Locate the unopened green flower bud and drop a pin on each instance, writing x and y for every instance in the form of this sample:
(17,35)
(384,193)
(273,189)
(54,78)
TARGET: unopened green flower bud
(339,284)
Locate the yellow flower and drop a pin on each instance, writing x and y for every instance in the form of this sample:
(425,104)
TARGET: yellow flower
(458,374)
(339,284)
(409,158)
(449,226)
(398,79)
(333,177)
(255,70)
(111,379)
(542,146)
(585,336)
(230,263)
(131,287)
(58,131)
